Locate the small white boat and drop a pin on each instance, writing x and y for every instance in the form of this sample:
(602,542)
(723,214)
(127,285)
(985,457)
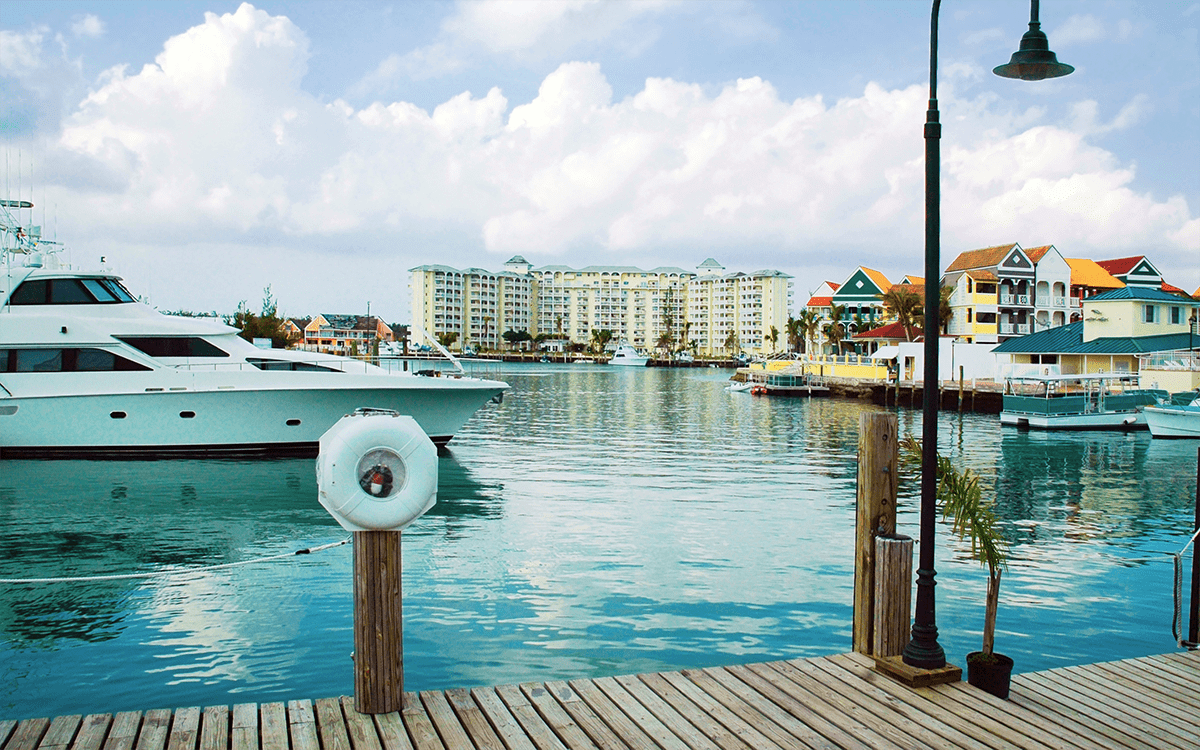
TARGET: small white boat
(740,387)
(1178,418)
(1091,401)
(626,355)
(581,360)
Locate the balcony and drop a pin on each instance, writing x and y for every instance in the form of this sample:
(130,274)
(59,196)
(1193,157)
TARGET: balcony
(1014,329)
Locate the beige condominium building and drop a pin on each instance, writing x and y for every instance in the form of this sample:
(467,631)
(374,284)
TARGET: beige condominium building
(647,308)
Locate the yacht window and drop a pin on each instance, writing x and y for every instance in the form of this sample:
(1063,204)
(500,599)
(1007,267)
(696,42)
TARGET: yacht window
(117,290)
(173,346)
(281,364)
(30,293)
(99,290)
(65,360)
(69,292)
(38,360)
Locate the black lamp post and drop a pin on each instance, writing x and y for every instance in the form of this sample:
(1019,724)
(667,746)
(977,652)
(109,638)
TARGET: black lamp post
(1033,62)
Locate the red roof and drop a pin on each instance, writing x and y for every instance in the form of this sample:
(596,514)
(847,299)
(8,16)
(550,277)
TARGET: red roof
(889,331)
(1119,265)
(819,301)
(1172,289)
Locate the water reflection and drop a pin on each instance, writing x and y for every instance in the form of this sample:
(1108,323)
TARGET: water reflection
(599,521)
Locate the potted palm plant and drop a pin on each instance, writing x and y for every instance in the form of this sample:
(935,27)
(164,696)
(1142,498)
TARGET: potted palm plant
(961,501)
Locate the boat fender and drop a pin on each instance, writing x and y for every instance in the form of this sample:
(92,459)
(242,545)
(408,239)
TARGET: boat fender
(376,471)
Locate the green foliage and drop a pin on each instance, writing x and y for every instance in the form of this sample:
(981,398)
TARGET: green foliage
(448,338)
(268,325)
(961,501)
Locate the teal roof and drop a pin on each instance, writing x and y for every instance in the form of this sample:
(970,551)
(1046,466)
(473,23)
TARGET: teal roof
(1068,339)
(1141,292)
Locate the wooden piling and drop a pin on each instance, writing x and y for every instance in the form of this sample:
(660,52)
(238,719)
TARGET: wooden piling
(893,595)
(378,631)
(960,387)
(878,456)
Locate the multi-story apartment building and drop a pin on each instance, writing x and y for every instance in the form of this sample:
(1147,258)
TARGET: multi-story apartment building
(643,307)
(731,312)
(1014,290)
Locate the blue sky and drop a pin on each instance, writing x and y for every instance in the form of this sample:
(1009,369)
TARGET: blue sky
(209,149)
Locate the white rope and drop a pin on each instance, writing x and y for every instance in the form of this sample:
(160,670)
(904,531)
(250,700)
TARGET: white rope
(1177,618)
(184,571)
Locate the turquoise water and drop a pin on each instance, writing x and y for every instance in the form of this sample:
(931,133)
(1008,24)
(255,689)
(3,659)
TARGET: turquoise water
(600,521)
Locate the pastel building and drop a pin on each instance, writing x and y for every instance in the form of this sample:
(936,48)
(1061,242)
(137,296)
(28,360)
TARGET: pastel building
(643,307)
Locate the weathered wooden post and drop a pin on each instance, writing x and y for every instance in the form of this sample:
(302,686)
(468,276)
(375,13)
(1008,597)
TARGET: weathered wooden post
(378,623)
(878,458)
(377,472)
(960,387)
(893,594)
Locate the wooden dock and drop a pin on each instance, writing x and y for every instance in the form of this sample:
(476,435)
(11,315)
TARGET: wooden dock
(830,702)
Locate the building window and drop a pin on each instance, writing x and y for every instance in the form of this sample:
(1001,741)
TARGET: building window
(1149,314)
(1176,316)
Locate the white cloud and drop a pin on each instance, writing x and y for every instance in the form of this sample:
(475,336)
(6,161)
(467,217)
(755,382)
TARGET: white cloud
(525,31)
(216,144)
(21,53)
(88,26)
(1079,29)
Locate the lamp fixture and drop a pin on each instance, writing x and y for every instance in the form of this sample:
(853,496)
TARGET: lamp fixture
(1033,61)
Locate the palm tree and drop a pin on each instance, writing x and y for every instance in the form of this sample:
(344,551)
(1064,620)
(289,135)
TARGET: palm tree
(905,306)
(835,329)
(448,338)
(793,334)
(773,337)
(664,342)
(487,319)
(810,323)
(600,339)
(732,344)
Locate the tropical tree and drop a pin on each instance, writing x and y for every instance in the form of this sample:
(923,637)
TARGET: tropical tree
(448,338)
(268,325)
(664,342)
(835,329)
(793,334)
(487,320)
(600,339)
(732,343)
(961,501)
(905,305)
(773,337)
(809,323)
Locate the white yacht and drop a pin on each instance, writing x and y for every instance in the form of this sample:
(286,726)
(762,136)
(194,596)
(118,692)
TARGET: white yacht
(627,356)
(87,370)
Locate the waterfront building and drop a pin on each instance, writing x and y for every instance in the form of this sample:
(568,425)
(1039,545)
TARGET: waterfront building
(1117,326)
(347,335)
(728,313)
(860,298)
(1088,278)
(655,308)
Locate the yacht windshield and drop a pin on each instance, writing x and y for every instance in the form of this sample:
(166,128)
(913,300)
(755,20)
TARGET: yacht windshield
(70,292)
(173,346)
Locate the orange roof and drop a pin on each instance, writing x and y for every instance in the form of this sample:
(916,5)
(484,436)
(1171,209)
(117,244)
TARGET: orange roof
(1172,289)
(910,279)
(988,256)
(1196,293)
(819,301)
(833,285)
(983,275)
(1089,273)
(1035,253)
(880,280)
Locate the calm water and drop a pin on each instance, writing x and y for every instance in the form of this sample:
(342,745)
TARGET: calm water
(600,521)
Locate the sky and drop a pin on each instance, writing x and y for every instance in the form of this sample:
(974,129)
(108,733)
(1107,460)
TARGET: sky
(208,150)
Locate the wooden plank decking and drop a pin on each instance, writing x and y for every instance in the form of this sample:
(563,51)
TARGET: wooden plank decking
(831,702)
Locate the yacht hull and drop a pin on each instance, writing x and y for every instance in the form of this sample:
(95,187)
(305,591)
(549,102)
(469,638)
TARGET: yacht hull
(228,421)
(1125,420)
(1173,421)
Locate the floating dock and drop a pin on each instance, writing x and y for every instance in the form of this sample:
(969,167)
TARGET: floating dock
(828,702)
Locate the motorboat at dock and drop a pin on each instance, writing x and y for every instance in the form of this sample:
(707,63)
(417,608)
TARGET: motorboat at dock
(626,355)
(1177,418)
(1081,401)
(86,370)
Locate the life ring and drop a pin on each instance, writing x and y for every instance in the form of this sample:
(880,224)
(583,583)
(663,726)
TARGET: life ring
(376,471)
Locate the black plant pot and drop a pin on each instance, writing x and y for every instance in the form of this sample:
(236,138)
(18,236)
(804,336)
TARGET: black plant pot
(990,675)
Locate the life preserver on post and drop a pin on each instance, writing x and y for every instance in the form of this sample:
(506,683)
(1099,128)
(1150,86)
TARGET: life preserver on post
(376,471)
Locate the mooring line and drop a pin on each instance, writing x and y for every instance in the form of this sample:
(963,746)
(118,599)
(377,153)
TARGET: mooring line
(183,571)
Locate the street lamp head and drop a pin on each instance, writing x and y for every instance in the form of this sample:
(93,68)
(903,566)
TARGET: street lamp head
(1034,61)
